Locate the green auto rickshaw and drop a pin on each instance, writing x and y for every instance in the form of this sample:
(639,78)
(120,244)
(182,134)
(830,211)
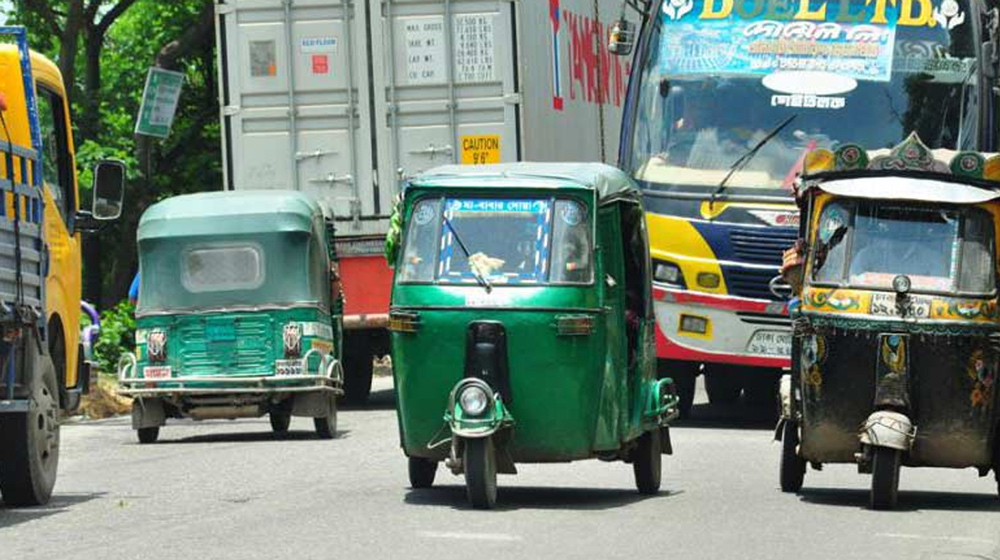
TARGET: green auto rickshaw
(239,312)
(522,324)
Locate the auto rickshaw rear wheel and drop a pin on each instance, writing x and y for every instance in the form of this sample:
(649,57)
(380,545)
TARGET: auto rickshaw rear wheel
(422,472)
(885,477)
(479,460)
(647,462)
(326,427)
(793,467)
(148,435)
(280,421)
(30,441)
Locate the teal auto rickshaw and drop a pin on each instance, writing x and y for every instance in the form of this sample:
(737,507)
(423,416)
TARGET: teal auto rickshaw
(239,312)
(522,324)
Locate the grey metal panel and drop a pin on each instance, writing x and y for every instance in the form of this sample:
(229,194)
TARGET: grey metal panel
(298,113)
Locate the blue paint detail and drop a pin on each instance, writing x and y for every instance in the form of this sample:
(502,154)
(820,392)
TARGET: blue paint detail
(743,245)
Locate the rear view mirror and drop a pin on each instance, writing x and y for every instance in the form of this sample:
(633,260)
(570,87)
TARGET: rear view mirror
(621,38)
(109,189)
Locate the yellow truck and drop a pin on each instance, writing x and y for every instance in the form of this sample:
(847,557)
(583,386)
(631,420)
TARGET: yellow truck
(42,372)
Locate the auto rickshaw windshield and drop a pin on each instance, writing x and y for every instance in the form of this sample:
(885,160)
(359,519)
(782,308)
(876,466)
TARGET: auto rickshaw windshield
(522,241)
(866,244)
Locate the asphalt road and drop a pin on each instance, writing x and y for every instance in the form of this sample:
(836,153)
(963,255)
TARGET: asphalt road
(229,490)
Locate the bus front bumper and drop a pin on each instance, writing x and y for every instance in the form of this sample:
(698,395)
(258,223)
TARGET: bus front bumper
(719,329)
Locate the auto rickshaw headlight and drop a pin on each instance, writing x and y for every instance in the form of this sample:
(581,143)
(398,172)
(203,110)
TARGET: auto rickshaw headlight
(473,400)
(901,284)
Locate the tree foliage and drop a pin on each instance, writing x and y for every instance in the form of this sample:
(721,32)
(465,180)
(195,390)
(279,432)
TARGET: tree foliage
(116,41)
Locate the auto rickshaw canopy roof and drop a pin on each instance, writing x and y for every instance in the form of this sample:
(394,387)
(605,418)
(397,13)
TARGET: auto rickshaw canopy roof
(605,180)
(230,212)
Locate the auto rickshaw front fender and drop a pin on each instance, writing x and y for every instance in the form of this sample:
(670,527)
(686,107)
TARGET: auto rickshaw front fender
(885,428)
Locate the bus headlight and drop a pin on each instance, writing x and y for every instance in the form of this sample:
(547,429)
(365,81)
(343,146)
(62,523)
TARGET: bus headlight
(668,272)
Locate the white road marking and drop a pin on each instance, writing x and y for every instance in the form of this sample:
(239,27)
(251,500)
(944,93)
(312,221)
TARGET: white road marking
(935,538)
(470,536)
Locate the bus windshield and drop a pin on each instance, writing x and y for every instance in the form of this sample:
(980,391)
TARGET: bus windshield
(719,75)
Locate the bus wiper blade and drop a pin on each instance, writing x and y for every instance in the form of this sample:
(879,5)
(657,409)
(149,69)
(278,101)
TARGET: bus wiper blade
(743,160)
(475,271)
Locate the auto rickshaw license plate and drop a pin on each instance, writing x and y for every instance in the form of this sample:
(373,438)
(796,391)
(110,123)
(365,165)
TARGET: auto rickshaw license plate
(887,304)
(288,367)
(770,343)
(156,372)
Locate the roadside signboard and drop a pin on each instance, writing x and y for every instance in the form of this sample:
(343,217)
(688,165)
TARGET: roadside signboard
(159,102)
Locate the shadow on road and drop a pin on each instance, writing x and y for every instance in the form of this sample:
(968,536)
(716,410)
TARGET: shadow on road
(524,497)
(739,417)
(59,504)
(237,437)
(909,500)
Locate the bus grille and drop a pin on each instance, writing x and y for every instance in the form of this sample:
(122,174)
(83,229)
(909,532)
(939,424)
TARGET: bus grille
(761,245)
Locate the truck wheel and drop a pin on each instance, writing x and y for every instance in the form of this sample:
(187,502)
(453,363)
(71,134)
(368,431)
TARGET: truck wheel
(646,463)
(357,367)
(885,477)
(148,435)
(683,374)
(326,427)
(30,441)
(480,463)
(723,386)
(280,422)
(793,467)
(422,472)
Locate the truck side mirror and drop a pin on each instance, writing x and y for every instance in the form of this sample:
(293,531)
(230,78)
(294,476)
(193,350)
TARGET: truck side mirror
(109,189)
(621,38)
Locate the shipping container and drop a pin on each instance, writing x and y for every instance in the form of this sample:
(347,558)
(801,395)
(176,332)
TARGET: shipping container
(344,100)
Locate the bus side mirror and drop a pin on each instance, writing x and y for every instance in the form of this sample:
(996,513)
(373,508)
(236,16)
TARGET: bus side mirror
(109,190)
(621,38)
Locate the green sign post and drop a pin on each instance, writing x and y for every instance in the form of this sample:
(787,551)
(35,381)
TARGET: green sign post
(159,102)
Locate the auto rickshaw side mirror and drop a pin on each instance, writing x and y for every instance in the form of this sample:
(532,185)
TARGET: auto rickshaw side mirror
(621,38)
(108,189)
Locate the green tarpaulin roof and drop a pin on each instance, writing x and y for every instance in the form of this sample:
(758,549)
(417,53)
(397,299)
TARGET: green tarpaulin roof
(604,179)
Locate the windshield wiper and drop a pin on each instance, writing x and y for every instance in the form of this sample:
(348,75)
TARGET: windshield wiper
(743,160)
(475,270)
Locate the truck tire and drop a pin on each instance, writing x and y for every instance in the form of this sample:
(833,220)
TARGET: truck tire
(357,367)
(148,435)
(30,441)
(722,385)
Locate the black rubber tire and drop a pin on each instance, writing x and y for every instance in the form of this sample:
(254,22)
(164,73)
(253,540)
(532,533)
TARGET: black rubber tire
(647,463)
(793,467)
(29,442)
(684,375)
(148,435)
(326,427)
(479,458)
(422,472)
(886,463)
(723,387)
(357,367)
(279,421)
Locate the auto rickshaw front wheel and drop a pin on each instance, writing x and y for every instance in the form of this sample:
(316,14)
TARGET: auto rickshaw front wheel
(148,435)
(479,460)
(646,462)
(422,472)
(30,441)
(885,477)
(279,421)
(793,467)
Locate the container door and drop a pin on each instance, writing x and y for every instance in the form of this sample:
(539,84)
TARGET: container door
(445,77)
(294,97)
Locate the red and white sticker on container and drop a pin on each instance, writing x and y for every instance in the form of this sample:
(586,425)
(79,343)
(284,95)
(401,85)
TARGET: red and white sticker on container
(320,64)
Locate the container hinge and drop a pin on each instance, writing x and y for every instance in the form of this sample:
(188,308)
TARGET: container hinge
(432,150)
(224,9)
(314,154)
(231,110)
(513,99)
(331,179)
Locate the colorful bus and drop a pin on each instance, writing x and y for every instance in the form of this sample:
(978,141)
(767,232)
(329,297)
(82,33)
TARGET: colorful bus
(726,97)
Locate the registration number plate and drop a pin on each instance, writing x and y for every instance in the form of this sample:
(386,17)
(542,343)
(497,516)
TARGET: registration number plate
(770,343)
(288,367)
(886,304)
(156,372)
